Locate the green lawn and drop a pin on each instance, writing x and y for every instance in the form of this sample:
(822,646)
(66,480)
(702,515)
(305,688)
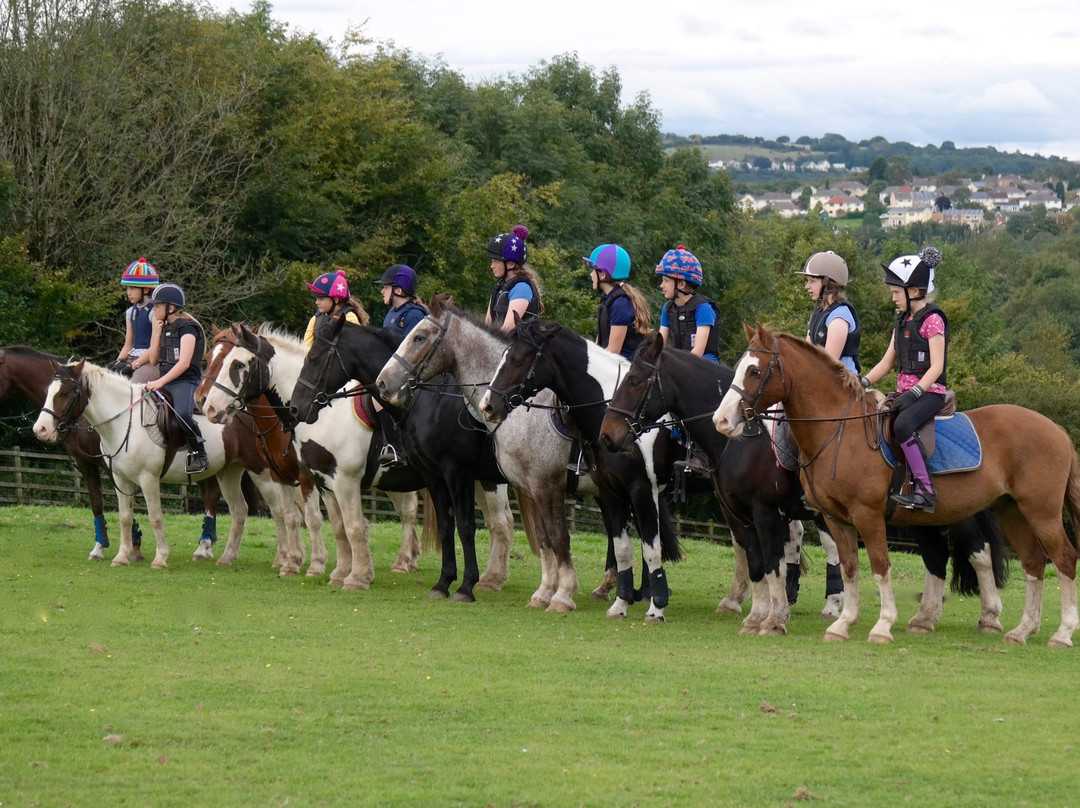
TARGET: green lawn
(202,685)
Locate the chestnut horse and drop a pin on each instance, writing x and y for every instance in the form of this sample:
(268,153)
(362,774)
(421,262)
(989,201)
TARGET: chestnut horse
(1030,471)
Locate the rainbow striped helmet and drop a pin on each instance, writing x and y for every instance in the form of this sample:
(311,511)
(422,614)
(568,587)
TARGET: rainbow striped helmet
(140,273)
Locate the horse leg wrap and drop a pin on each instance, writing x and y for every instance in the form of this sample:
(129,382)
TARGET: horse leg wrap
(101,530)
(624,585)
(834,581)
(209,528)
(659,587)
(791,582)
(136,534)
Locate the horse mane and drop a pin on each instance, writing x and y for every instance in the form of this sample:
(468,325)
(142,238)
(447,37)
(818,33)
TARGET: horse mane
(33,353)
(848,380)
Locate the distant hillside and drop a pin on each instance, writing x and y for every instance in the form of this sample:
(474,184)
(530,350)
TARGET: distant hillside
(922,160)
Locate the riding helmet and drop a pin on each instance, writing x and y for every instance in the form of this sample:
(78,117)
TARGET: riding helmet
(399,275)
(330,284)
(914,271)
(610,259)
(168,293)
(681,264)
(140,273)
(509,246)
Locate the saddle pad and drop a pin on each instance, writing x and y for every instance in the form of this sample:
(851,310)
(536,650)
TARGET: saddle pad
(958,446)
(787,456)
(558,423)
(148,415)
(361,407)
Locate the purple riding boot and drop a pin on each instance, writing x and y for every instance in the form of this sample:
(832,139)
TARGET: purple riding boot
(922,488)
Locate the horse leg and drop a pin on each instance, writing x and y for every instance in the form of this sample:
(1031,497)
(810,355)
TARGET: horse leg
(125,502)
(499,519)
(1051,534)
(610,577)
(562,561)
(616,517)
(440,496)
(307,499)
(405,504)
(151,488)
(933,547)
(343,564)
(871,527)
(91,474)
(647,514)
(793,560)
(1032,558)
(361,569)
(774,533)
(746,537)
(847,548)
(230,479)
(211,498)
(834,581)
(465,515)
(539,528)
(739,590)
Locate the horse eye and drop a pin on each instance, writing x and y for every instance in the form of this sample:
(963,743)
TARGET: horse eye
(755,371)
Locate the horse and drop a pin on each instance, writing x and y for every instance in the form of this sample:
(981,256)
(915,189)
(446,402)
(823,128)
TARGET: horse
(115,409)
(584,376)
(27,372)
(753,489)
(1029,473)
(340,453)
(532,449)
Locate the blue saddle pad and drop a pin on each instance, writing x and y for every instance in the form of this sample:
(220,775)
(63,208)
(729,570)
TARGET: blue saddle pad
(957,446)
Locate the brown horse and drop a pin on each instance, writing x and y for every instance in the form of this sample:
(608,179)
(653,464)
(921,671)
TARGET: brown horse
(1030,471)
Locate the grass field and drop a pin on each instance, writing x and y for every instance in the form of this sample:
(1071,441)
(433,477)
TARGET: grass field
(202,686)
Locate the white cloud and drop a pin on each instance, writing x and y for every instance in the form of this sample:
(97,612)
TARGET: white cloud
(1009,98)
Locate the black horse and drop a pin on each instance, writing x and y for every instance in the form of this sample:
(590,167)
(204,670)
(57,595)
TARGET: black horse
(444,443)
(756,492)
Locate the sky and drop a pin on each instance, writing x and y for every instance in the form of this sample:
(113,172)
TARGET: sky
(976,72)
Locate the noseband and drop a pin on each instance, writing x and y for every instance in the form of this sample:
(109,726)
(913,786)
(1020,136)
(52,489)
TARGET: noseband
(515,396)
(318,388)
(65,421)
(636,415)
(750,410)
(414,372)
(240,399)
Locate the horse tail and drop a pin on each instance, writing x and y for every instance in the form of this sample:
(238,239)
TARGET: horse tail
(984,528)
(527,508)
(1072,496)
(670,549)
(430,542)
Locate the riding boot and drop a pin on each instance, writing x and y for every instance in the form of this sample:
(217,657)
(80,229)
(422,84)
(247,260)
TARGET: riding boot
(922,494)
(197,461)
(391,456)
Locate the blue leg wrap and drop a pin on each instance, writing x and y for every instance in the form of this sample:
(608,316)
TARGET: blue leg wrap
(136,534)
(209,528)
(624,585)
(101,530)
(660,591)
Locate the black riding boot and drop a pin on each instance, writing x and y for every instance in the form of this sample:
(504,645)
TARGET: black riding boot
(197,462)
(391,456)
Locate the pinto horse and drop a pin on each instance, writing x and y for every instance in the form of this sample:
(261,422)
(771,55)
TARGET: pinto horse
(532,450)
(257,372)
(445,446)
(1030,471)
(584,376)
(27,372)
(115,409)
(754,489)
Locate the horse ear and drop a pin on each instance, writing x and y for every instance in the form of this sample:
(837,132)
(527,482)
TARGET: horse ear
(215,332)
(748,330)
(439,303)
(77,368)
(55,365)
(238,332)
(546,330)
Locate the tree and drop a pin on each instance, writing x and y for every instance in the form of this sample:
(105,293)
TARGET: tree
(879,169)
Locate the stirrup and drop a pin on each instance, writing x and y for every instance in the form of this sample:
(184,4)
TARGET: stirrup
(917,500)
(197,462)
(578,466)
(389,457)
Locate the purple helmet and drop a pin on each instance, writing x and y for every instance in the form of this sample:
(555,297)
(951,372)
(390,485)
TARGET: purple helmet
(399,275)
(510,246)
(681,264)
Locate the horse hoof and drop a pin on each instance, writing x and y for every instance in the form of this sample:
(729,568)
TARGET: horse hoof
(880,638)
(615,614)
(1056,643)
(772,631)
(538,603)
(400,566)
(224,562)
(831,636)
(316,571)
(96,555)
(919,628)
(158,565)
(728,607)
(990,628)
(604,595)
(119,562)
(136,557)
(462,597)
(1014,639)
(350,587)
(484,586)
(437,594)
(655,618)
(560,607)
(333,583)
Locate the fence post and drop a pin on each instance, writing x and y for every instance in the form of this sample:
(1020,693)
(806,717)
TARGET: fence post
(18,476)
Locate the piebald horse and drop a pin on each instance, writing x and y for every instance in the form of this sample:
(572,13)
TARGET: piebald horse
(1029,473)
(116,410)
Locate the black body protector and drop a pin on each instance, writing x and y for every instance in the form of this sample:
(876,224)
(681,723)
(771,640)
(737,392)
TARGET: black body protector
(500,299)
(603,324)
(819,333)
(682,323)
(170,348)
(912,350)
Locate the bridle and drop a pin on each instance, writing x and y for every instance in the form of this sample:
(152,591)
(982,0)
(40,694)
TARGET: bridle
(239,399)
(65,421)
(750,410)
(415,372)
(636,415)
(515,396)
(321,383)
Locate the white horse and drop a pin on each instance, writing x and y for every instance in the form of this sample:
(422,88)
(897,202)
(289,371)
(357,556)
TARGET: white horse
(337,452)
(115,409)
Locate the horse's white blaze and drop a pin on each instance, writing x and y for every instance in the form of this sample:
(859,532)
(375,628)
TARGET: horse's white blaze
(218,401)
(728,415)
(45,427)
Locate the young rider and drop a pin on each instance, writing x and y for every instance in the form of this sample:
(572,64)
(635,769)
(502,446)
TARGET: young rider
(688,320)
(139,281)
(179,359)
(919,350)
(399,293)
(517,286)
(623,316)
(331,293)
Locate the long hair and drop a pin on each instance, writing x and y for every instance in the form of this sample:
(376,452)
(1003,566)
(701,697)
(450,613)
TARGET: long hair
(357,306)
(642,315)
(831,291)
(534,279)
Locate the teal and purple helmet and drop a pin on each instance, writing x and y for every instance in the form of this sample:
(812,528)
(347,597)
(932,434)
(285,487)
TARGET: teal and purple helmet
(510,246)
(610,259)
(330,284)
(682,265)
(140,273)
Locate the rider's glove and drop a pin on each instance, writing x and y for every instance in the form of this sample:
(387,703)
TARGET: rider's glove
(905,400)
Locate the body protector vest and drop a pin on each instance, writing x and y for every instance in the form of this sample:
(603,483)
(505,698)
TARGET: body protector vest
(912,350)
(682,323)
(170,348)
(141,328)
(500,299)
(603,325)
(395,318)
(819,334)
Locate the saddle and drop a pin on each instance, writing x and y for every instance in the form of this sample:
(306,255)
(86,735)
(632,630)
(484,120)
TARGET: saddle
(926,435)
(364,410)
(165,429)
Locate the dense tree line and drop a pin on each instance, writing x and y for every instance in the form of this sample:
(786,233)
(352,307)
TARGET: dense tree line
(242,161)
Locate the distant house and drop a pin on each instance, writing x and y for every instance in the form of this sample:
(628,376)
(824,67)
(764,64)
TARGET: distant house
(851,188)
(901,217)
(786,209)
(968,217)
(841,205)
(1044,197)
(923,184)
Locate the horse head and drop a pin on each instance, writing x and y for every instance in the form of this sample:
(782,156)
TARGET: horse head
(757,384)
(634,404)
(323,373)
(425,352)
(236,373)
(65,401)
(521,372)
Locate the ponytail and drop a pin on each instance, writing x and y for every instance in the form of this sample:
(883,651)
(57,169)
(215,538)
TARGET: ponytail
(642,315)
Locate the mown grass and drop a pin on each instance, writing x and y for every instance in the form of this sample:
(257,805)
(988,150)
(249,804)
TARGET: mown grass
(208,686)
